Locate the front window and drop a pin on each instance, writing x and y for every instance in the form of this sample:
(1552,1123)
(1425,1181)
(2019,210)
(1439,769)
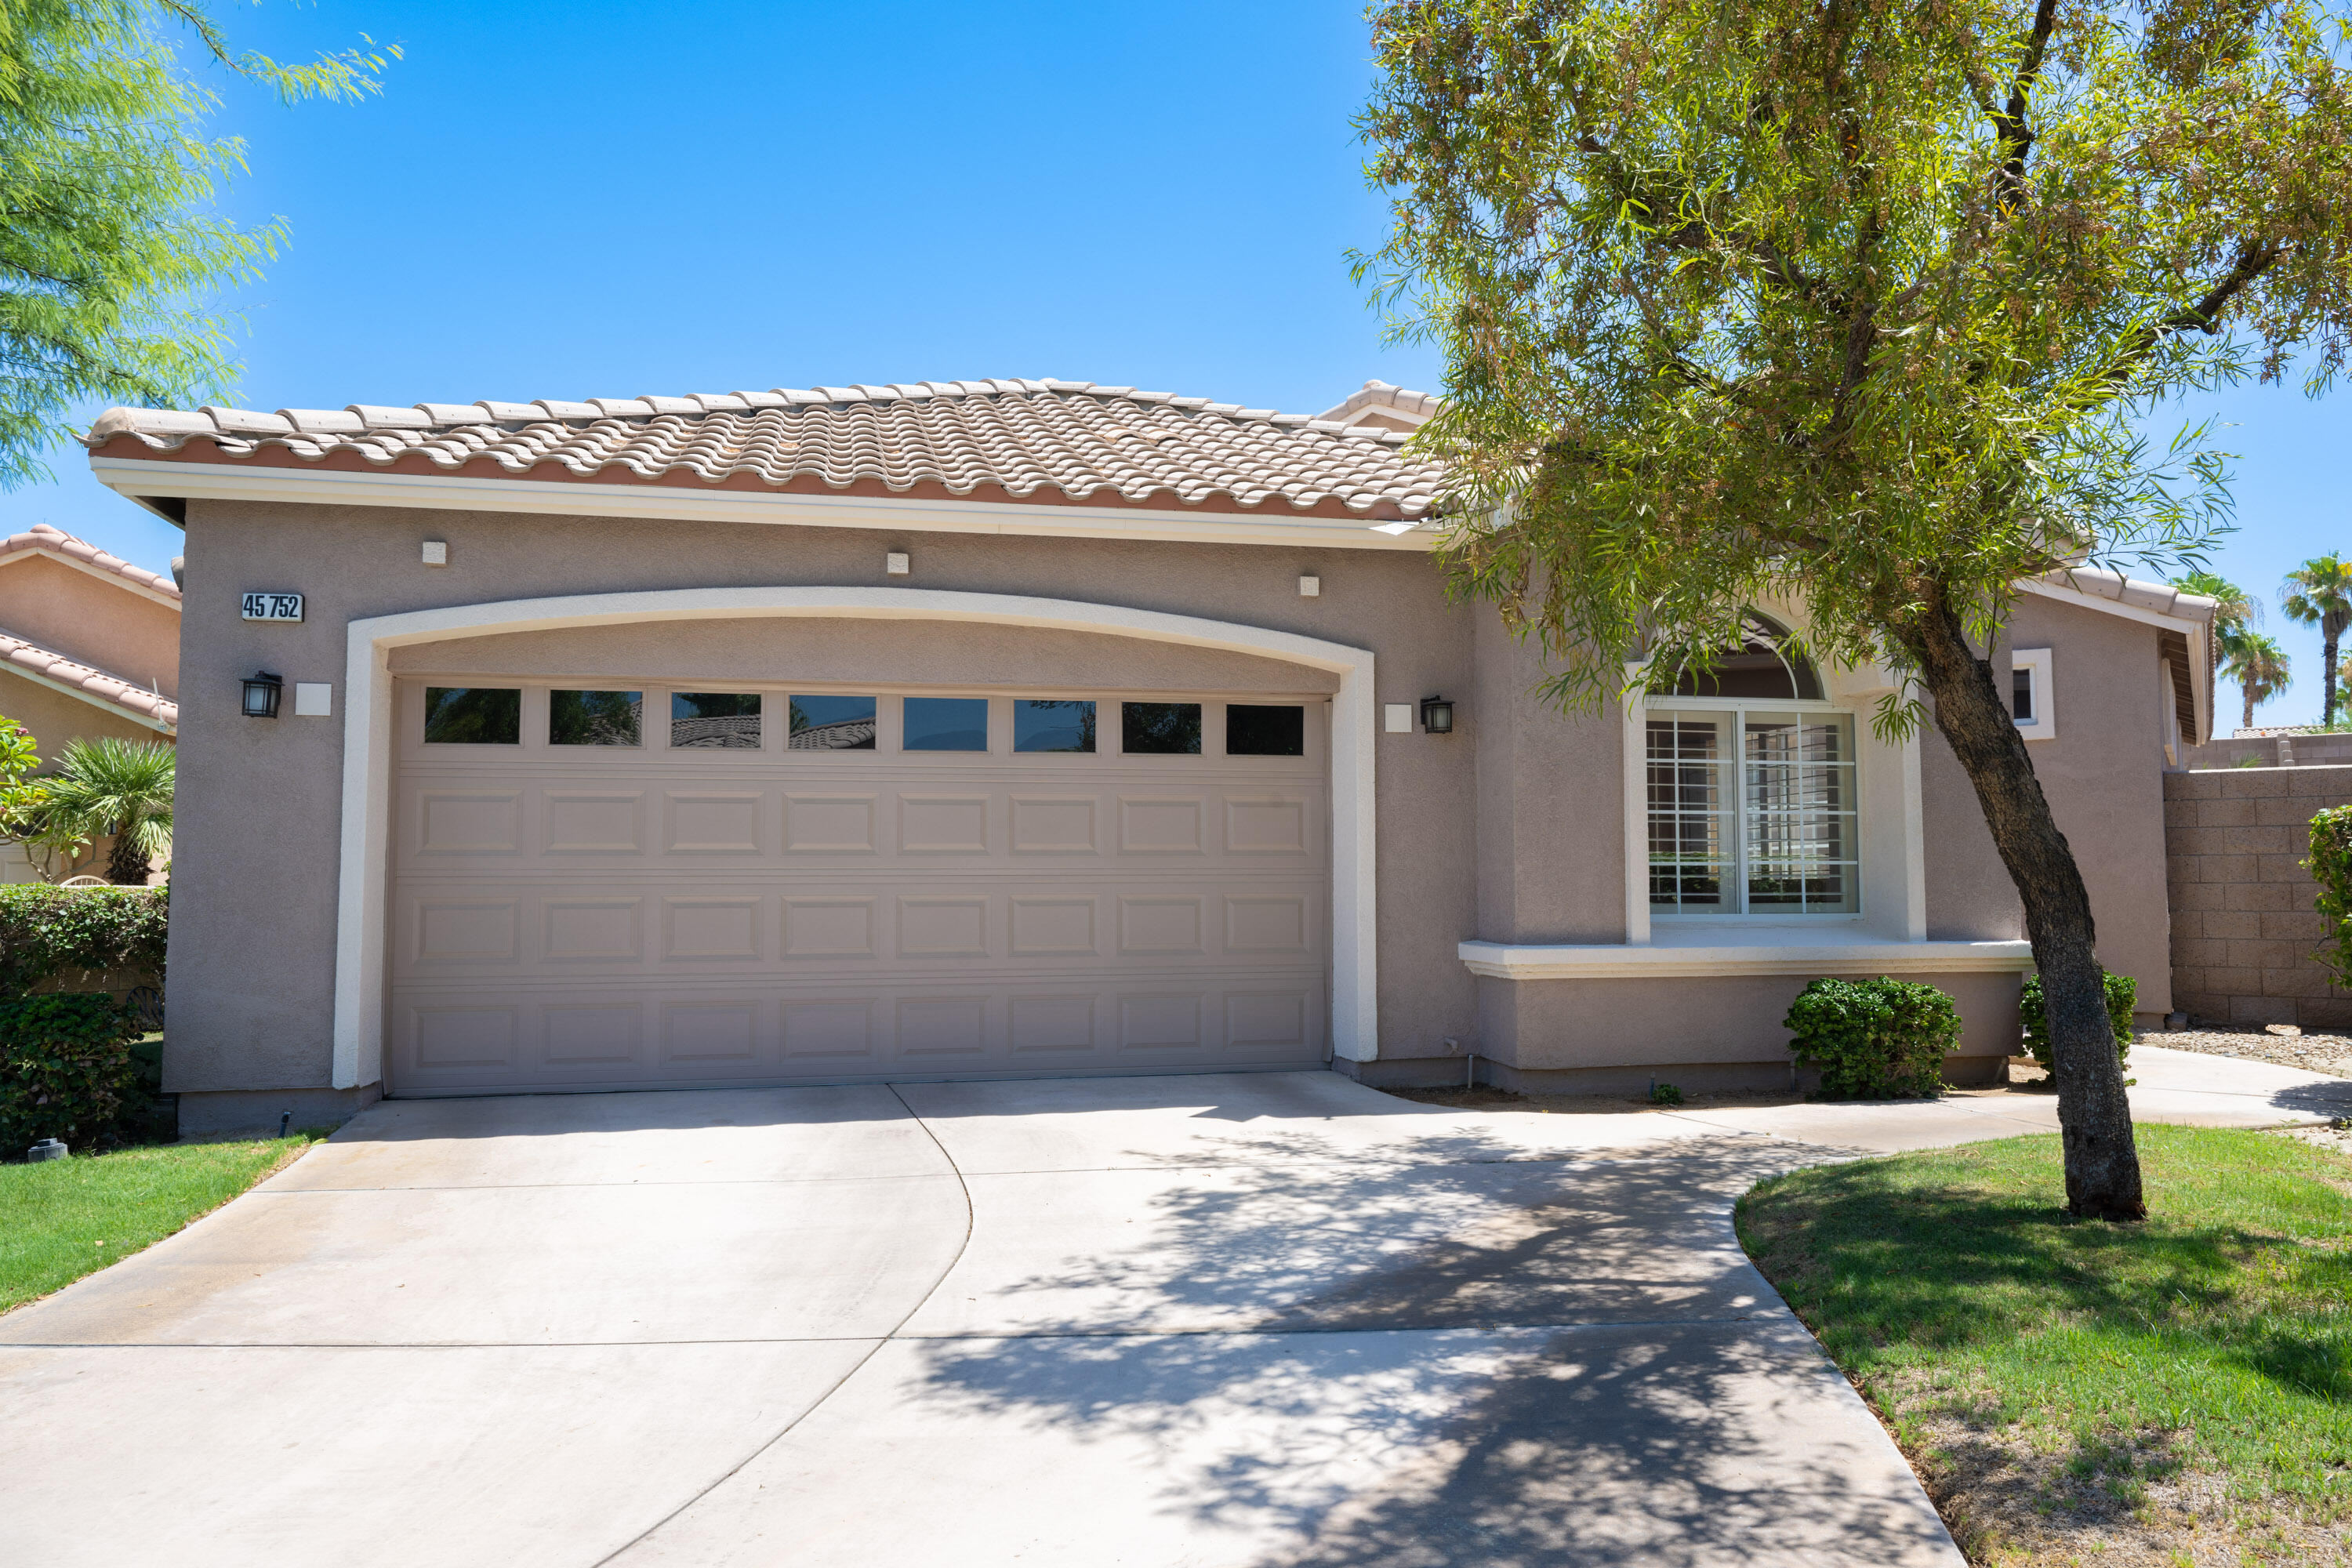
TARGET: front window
(1751,790)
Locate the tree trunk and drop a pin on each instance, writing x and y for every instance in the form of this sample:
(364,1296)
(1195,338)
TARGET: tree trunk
(2327,678)
(2249,689)
(125,866)
(2093,1114)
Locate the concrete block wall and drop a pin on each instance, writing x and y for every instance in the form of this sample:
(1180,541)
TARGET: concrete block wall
(2243,928)
(2271,751)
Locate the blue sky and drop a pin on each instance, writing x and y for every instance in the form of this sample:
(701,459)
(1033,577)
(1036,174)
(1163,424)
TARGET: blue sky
(606,199)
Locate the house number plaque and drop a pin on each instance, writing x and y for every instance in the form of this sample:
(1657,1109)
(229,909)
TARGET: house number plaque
(273,607)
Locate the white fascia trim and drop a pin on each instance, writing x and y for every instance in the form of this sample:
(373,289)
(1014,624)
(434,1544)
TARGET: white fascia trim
(1499,961)
(135,476)
(112,579)
(104,705)
(2091,601)
(368,749)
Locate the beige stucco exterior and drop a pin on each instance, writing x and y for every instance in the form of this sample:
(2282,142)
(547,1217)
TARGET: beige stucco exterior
(1511,830)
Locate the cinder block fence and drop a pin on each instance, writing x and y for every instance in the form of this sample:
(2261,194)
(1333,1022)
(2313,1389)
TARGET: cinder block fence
(2243,929)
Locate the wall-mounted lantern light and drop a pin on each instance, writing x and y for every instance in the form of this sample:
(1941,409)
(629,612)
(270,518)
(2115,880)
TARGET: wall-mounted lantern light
(261,690)
(1438,715)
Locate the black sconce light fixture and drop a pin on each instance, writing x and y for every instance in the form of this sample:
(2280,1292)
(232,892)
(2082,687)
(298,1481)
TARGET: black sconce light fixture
(1438,715)
(261,690)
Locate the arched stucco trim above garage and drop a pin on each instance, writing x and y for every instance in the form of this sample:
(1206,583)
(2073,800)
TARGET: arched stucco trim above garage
(368,742)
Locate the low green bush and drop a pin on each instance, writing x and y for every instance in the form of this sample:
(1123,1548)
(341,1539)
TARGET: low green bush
(1874,1038)
(45,931)
(2122,991)
(65,1068)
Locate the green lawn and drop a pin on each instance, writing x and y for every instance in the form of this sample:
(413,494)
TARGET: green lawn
(65,1218)
(2175,1393)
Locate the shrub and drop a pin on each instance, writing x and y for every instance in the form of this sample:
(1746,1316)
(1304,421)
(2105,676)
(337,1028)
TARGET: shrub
(1874,1038)
(2331,866)
(47,930)
(2122,991)
(65,1068)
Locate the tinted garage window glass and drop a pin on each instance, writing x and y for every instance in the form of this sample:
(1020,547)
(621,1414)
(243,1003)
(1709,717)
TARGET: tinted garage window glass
(1253,730)
(1041,724)
(472,716)
(832,724)
(715,720)
(1162,729)
(594,717)
(947,724)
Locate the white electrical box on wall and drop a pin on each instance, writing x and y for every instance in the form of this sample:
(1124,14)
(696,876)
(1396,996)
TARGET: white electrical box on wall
(1397,718)
(314,699)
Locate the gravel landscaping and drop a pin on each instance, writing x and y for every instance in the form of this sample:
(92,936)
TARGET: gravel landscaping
(2311,1052)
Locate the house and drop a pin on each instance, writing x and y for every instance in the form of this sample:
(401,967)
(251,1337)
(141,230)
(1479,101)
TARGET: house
(90,646)
(1023,728)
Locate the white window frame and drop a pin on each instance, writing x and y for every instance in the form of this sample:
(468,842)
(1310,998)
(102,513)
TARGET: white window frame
(1739,708)
(2035,661)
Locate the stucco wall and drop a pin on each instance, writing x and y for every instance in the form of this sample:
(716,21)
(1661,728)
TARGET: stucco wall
(102,624)
(2243,924)
(255,904)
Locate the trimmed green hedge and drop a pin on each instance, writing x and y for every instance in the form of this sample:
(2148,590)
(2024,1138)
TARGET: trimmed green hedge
(2123,992)
(1874,1038)
(45,931)
(65,1068)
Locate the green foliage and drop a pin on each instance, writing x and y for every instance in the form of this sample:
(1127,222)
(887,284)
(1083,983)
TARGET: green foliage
(65,1068)
(2319,593)
(47,930)
(2330,865)
(113,245)
(2122,992)
(1873,1039)
(1666,1094)
(63,1218)
(120,788)
(1852,307)
(2258,665)
(1952,1291)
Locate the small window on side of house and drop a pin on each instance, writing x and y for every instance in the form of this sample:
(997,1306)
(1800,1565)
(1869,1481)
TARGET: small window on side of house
(2032,702)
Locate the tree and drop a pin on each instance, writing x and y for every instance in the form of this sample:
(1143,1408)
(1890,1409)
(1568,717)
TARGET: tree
(121,789)
(2319,593)
(110,246)
(1854,303)
(2258,664)
(2234,609)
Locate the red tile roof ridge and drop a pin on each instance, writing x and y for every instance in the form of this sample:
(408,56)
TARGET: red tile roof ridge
(88,679)
(48,540)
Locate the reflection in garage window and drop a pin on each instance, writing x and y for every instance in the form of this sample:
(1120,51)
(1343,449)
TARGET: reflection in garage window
(1163,729)
(947,724)
(472,716)
(1041,724)
(832,724)
(720,719)
(1263,730)
(594,717)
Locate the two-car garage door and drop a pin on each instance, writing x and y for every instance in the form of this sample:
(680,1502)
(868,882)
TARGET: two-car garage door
(634,885)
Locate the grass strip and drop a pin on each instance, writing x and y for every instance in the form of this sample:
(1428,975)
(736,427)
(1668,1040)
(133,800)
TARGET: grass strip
(64,1219)
(2067,1384)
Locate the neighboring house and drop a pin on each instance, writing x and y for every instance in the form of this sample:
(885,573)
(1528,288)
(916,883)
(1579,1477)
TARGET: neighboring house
(1019,728)
(90,646)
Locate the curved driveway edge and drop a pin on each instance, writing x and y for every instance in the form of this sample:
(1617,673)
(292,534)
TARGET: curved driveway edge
(1213,1321)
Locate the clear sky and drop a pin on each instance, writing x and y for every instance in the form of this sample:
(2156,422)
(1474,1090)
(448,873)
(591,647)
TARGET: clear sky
(604,199)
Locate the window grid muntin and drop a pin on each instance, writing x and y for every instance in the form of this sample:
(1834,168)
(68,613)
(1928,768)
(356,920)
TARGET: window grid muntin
(1791,847)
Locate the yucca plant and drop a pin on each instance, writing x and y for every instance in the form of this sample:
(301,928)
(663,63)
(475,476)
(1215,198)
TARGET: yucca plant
(120,789)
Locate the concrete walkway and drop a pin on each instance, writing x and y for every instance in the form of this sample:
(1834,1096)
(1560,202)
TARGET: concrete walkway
(1241,1320)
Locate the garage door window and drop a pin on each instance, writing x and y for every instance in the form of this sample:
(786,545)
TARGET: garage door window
(832,724)
(1163,729)
(715,720)
(1044,724)
(472,716)
(1264,730)
(595,718)
(946,724)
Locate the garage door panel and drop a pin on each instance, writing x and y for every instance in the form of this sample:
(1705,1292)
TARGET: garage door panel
(636,918)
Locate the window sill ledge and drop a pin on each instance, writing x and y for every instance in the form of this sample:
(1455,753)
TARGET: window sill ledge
(1767,951)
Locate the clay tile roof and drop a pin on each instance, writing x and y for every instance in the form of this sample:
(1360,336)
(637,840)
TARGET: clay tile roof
(1059,441)
(110,690)
(2163,598)
(50,540)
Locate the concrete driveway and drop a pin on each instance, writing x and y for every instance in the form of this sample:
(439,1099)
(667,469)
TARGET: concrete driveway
(1211,1320)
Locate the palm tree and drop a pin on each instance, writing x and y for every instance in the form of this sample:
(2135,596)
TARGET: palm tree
(2233,612)
(2258,664)
(119,788)
(2319,593)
